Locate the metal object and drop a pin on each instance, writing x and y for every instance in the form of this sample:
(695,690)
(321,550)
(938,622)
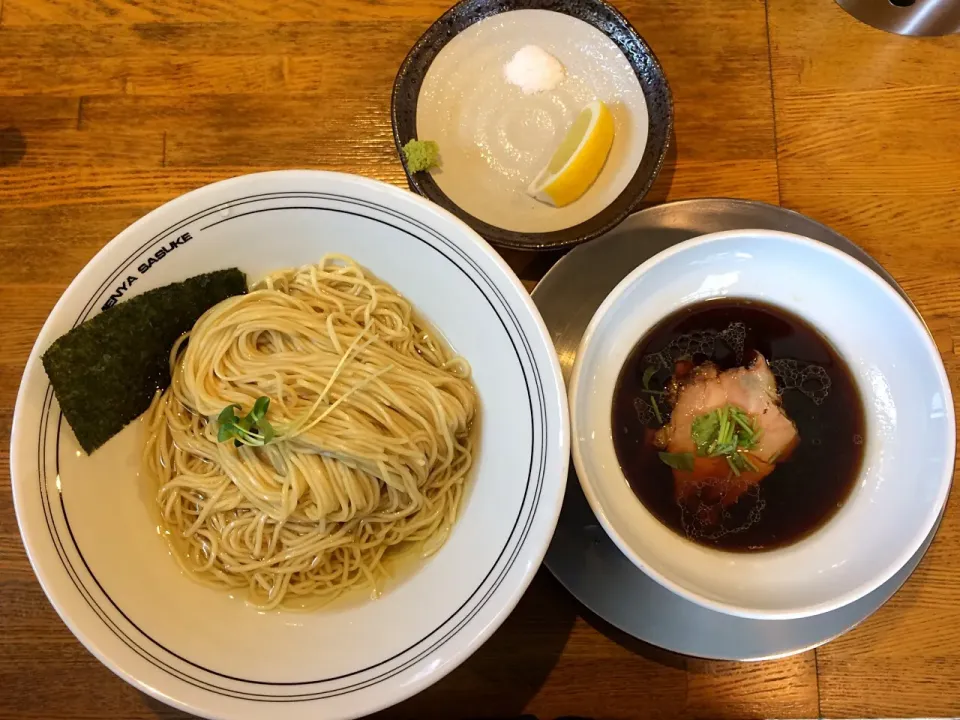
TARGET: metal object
(907,17)
(581,555)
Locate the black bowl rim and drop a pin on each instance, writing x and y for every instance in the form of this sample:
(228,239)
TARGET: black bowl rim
(434,39)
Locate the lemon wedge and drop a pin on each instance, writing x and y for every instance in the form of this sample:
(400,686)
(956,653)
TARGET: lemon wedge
(578,160)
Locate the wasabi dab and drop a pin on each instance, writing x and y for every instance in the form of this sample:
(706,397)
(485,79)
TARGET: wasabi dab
(421,155)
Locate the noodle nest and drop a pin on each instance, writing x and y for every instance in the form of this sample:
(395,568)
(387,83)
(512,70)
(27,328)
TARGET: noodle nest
(373,419)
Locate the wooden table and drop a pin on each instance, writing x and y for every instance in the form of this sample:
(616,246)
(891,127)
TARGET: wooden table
(109,108)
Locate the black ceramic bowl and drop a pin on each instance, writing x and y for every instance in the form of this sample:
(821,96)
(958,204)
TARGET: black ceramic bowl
(604,17)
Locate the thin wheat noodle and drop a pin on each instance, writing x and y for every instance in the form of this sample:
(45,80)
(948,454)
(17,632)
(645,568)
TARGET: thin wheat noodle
(373,417)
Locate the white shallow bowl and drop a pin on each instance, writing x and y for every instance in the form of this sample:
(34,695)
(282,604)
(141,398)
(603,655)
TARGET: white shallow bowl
(89,523)
(908,450)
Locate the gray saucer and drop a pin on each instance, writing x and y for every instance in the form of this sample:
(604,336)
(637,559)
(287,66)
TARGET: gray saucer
(581,555)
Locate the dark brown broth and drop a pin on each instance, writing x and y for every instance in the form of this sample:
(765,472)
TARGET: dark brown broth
(804,491)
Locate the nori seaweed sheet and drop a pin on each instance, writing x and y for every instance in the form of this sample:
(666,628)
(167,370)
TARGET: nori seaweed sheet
(106,371)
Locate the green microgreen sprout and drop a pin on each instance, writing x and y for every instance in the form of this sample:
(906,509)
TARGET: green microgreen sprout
(252,429)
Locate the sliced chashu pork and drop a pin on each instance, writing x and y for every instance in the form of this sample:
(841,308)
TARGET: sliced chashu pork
(704,389)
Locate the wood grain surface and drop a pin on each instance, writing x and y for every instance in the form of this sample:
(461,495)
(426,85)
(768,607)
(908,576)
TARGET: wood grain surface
(109,108)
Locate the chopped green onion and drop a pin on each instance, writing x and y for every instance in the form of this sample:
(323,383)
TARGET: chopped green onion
(656,410)
(727,432)
(722,432)
(648,376)
(742,422)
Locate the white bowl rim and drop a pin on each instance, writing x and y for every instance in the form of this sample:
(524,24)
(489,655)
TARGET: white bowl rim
(932,516)
(553,384)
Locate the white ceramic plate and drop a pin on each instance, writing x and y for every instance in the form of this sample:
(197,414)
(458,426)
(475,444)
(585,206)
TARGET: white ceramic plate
(909,445)
(89,523)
